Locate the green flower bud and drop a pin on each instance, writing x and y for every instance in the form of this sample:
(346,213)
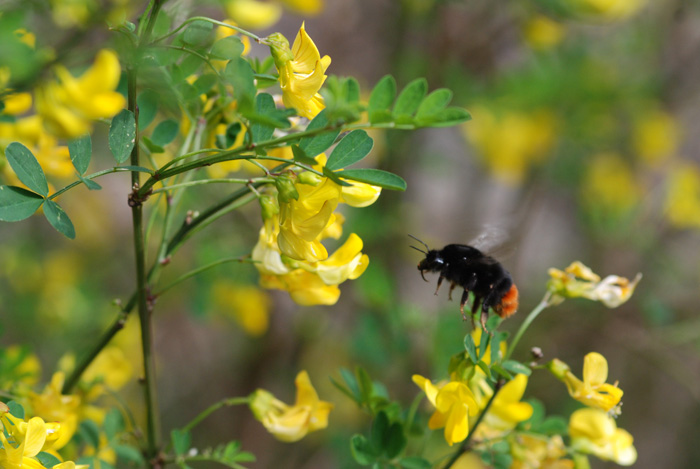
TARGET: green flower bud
(309,178)
(286,189)
(558,368)
(269,206)
(279,48)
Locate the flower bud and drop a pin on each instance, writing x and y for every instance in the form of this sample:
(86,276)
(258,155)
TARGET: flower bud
(269,206)
(309,178)
(279,48)
(286,189)
(558,368)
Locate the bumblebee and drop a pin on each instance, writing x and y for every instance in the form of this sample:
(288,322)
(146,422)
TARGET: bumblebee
(468,267)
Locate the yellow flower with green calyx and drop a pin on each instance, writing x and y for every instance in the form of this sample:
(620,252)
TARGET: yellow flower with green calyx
(358,194)
(579,281)
(593,431)
(291,423)
(593,390)
(454,403)
(301,72)
(70,105)
(53,406)
(506,410)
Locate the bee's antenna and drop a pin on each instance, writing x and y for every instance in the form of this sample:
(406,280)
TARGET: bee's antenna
(426,246)
(418,249)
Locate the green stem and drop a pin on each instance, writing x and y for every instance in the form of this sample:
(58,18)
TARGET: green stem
(144,309)
(204,18)
(212,181)
(526,323)
(115,169)
(208,411)
(465,444)
(198,271)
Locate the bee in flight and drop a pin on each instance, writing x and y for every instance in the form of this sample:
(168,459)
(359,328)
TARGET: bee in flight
(484,276)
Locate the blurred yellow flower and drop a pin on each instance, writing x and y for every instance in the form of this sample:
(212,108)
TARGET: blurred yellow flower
(253,14)
(17,103)
(506,410)
(579,281)
(593,391)
(21,368)
(609,185)
(593,431)
(655,137)
(683,196)
(542,32)
(611,9)
(304,7)
(454,403)
(53,406)
(511,142)
(531,451)
(301,72)
(68,106)
(110,367)
(291,423)
(248,305)
(70,13)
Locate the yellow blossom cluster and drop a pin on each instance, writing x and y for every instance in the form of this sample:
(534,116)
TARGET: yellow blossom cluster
(579,281)
(259,15)
(289,254)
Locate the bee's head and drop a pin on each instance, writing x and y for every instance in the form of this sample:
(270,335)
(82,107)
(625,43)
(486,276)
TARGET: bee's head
(433,262)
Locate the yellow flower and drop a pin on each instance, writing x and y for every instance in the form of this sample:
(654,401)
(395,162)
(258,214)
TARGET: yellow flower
(683,196)
(593,390)
(69,105)
(506,410)
(454,403)
(20,368)
(302,72)
(611,9)
(656,135)
(539,452)
(253,14)
(305,288)
(17,103)
(543,33)
(609,185)
(303,220)
(577,280)
(594,432)
(304,7)
(511,142)
(53,406)
(70,13)
(359,194)
(291,423)
(247,304)
(110,367)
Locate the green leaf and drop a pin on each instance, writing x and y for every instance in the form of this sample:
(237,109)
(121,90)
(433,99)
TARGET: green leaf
(483,344)
(205,83)
(122,135)
(434,103)
(80,151)
(128,454)
(139,169)
(16,409)
(17,203)
(445,118)
(344,390)
(227,48)
(394,440)
(199,33)
(240,74)
(152,147)
(376,177)
(516,367)
(501,371)
(181,441)
(229,138)
(496,347)
(333,176)
(410,97)
(113,424)
(414,462)
(301,157)
(314,146)
(48,459)
(165,132)
(351,89)
(379,431)
(381,99)
(264,104)
(351,382)
(555,425)
(59,219)
(365,384)
(484,367)
(147,102)
(470,347)
(89,433)
(27,168)
(351,149)
(362,450)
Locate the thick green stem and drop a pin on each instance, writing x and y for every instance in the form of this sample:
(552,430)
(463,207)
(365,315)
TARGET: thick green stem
(526,323)
(465,444)
(144,309)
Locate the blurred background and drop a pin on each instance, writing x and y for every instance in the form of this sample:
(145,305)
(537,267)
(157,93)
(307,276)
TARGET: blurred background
(582,147)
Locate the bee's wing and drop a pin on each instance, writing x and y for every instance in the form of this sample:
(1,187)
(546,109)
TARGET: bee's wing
(494,240)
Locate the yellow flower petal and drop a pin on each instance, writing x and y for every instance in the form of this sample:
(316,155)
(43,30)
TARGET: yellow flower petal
(595,369)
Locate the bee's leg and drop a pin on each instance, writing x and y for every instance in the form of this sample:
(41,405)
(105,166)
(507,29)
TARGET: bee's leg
(465,297)
(440,279)
(452,287)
